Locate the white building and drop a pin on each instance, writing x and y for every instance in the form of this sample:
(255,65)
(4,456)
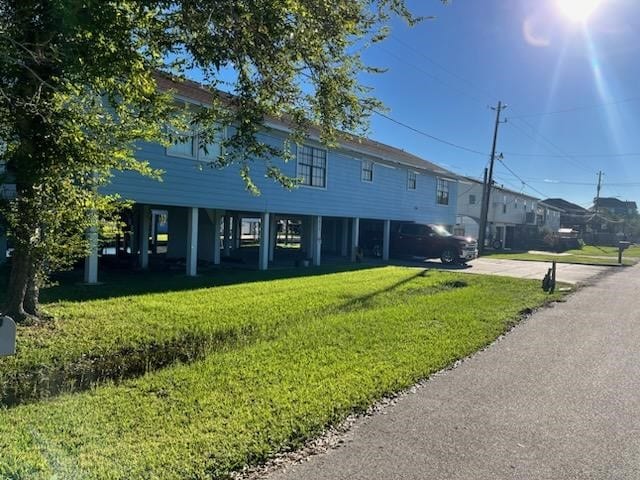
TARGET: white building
(513,217)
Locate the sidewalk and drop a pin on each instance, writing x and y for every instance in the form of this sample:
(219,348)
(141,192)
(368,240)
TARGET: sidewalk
(557,398)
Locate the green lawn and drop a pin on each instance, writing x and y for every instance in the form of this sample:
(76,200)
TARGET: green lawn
(306,352)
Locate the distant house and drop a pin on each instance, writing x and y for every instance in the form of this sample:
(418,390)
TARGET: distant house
(514,218)
(614,206)
(572,215)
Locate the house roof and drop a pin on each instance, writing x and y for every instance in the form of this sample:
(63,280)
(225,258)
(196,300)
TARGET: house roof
(564,205)
(196,91)
(612,202)
(501,188)
(550,206)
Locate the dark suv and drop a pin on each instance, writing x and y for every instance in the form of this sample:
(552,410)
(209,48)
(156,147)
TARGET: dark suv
(432,241)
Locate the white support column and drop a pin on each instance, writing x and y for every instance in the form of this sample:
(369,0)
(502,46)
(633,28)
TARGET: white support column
(91,262)
(273,237)
(344,248)
(217,220)
(237,231)
(263,261)
(316,238)
(227,235)
(192,241)
(386,236)
(355,240)
(143,241)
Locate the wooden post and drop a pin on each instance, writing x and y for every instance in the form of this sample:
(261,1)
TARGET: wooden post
(192,241)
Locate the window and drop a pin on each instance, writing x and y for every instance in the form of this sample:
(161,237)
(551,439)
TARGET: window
(415,229)
(442,192)
(525,205)
(411,180)
(192,145)
(472,199)
(182,147)
(504,208)
(515,205)
(312,166)
(212,149)
(367,171)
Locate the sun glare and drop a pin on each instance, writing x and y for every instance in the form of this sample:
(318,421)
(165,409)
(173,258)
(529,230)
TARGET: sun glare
(578,10)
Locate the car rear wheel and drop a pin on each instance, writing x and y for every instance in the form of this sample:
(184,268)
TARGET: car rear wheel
(448,257)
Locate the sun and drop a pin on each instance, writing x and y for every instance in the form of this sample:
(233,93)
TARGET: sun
(578,10)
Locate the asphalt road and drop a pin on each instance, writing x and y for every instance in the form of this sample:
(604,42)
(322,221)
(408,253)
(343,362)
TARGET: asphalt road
(557,398)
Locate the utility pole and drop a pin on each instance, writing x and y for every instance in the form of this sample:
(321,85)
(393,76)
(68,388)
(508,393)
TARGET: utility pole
(486,194)
(596,206)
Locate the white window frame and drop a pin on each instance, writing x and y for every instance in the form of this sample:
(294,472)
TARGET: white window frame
(442,181)
(197,153)
(326,166)
(412,177)
(363,164)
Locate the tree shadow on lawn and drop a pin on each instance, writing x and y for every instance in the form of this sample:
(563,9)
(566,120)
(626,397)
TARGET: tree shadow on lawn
(69,287)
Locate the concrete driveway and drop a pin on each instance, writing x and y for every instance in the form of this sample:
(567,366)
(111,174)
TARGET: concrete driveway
(565,272)
(555,399)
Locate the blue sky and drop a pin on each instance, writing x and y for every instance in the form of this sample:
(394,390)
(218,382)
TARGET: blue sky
(445,73)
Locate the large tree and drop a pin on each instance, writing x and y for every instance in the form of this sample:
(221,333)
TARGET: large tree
(78,89)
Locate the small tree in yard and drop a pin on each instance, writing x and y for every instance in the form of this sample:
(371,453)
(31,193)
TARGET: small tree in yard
(78,89)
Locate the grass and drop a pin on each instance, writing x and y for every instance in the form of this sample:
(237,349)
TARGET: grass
(148,321)
(321,348)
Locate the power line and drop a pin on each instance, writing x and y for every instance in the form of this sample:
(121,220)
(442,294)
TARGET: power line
(576,109)
(431,75)
(446,70)
(563,154)
(520,178)
(432,137)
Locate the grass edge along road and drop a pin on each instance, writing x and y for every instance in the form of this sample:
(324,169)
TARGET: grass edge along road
(239,406)
(573,258)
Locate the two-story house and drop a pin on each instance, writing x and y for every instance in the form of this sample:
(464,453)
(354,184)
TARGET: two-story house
(513,217)
(202,209)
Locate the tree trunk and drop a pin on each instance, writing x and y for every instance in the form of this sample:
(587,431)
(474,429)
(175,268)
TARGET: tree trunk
(18,280)
(31,301)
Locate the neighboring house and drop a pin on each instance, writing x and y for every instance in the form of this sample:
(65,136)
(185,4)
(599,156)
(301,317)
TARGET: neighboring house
(548,216)
(359,180)
(513,217)
(572,215)
(614,206)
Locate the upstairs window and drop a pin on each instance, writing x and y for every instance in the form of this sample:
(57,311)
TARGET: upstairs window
(312,166)
(183,147)
(472,199)
(411,180)
(198,146)
(367,171)
(442,192)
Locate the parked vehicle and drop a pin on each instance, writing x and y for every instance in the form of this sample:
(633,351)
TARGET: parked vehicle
(432,241)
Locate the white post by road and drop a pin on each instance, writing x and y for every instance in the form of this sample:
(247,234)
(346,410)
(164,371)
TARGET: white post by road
(263,262)
(192,241)
(386,236)
(355,233)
